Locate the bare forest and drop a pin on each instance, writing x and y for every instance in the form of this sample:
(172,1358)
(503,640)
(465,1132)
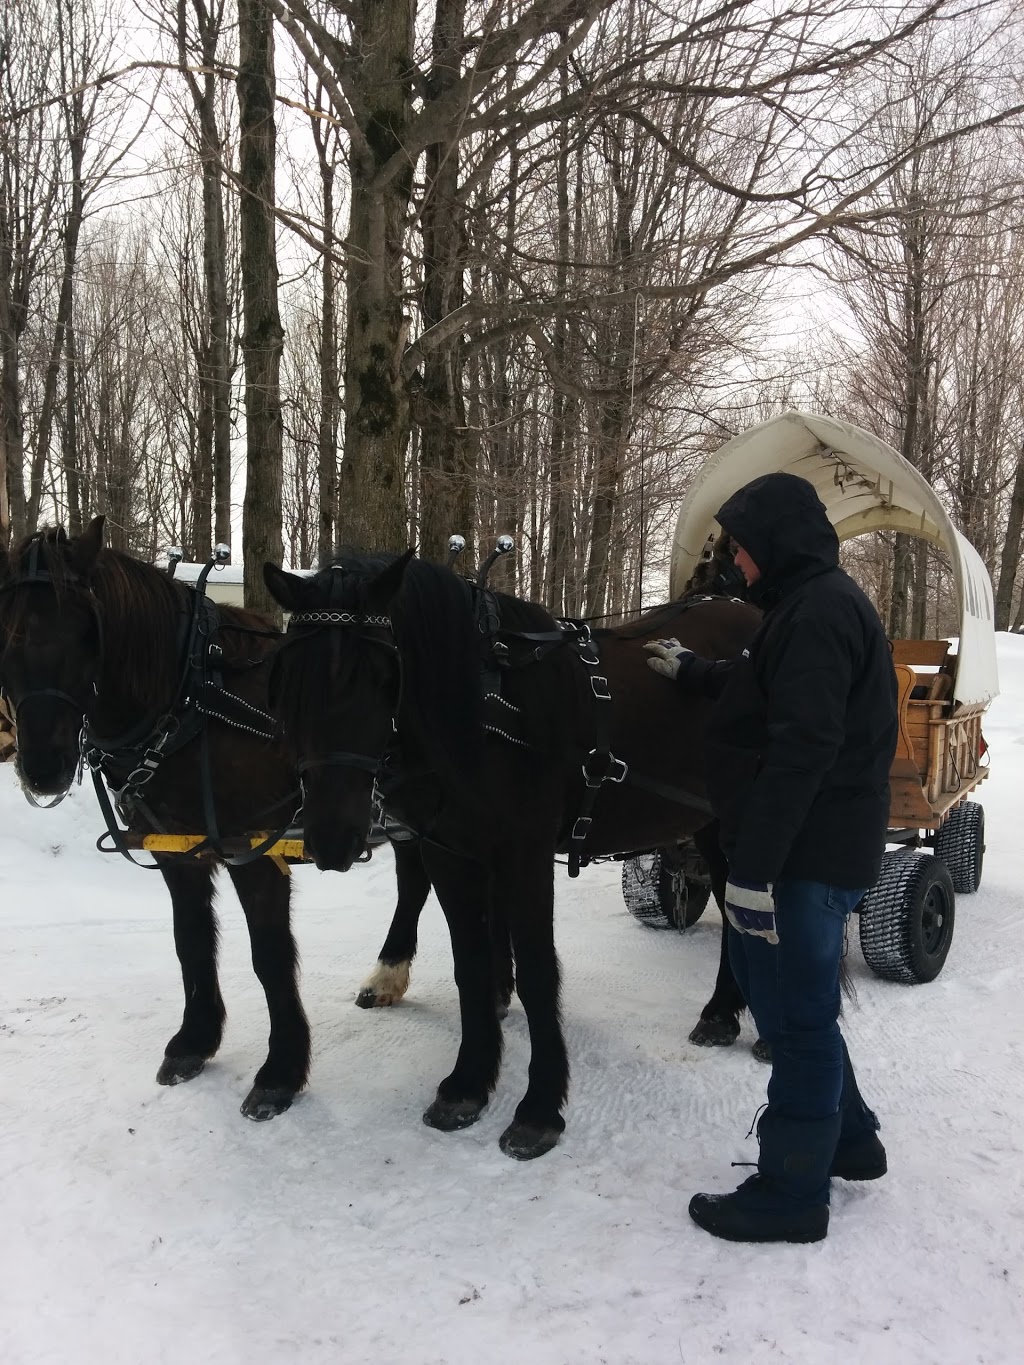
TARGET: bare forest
(295,274)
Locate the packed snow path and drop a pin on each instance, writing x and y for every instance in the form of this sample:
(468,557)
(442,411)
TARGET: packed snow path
(144,1225)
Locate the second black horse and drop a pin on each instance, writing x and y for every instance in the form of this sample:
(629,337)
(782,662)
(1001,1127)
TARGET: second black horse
(488,727)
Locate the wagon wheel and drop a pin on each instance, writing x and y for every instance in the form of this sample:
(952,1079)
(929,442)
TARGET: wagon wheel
(960,843)
(658,892)
(683,898)
(906,919)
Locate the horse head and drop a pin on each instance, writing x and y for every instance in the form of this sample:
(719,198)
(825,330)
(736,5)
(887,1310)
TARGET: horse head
(51,643)
(334,690)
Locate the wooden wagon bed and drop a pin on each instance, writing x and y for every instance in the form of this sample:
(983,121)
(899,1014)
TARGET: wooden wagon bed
(940,749)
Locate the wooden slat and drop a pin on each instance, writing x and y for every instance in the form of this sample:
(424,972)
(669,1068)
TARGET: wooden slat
(927,653)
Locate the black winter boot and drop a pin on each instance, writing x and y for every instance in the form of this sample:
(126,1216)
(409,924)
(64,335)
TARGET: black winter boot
(860,1159)
(859,1153)
(787,1201)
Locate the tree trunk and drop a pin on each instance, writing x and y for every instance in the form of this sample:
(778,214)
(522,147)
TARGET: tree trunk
(213,484)
(327,431)
(446,490)
(263,339)
(1009,560)
(560,455)
(372,508)
(12,449)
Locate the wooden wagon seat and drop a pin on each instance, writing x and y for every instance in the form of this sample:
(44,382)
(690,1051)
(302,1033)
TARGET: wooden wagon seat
(938,754)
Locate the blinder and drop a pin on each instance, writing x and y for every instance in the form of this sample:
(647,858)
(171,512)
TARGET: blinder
(36,575)
(343,758)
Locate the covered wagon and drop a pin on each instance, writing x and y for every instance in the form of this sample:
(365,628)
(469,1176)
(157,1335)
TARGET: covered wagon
(944,688)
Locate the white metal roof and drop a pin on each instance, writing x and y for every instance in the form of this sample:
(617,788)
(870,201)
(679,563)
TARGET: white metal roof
(866,485)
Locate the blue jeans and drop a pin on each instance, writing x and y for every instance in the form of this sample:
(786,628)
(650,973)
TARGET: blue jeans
(792,991)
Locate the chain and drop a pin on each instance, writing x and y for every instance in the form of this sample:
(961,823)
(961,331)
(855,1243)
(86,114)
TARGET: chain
(338,618)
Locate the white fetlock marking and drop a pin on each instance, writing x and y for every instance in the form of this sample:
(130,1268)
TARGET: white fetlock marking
(387,984)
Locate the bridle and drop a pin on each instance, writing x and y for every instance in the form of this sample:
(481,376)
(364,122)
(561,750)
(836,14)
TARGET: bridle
(322,620)
(35,575)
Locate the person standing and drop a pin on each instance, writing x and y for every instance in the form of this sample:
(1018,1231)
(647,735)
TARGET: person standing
(799,749)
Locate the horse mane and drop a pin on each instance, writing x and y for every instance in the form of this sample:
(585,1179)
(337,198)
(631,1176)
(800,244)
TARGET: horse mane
(140,607)
(444,653)
(715,576)
(436,633)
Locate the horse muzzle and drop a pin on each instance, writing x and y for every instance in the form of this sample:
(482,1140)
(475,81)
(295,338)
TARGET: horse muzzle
(333,849)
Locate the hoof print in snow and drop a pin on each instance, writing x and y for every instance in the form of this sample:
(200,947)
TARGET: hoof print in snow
(448,1116)
(524,1141)
(260,1105)
(715,1032)
(174,1070)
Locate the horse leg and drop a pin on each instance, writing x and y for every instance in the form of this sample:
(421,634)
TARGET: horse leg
(389,980)
(195,941)
(463,889)
(719,1022)
(501,959)
(524,896)
(265,894)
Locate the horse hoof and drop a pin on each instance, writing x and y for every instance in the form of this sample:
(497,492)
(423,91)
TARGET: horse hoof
(715,1032)
(174,1070)
(369,999)
(524,1141)
(762,1051)
(501,1008)
(260,1105)
(385,985)
(448,1116)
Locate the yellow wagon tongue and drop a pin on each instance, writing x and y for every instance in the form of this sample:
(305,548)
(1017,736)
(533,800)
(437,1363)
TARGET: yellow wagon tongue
(283,852)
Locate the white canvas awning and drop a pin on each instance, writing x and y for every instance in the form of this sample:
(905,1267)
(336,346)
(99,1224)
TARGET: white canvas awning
(866,486)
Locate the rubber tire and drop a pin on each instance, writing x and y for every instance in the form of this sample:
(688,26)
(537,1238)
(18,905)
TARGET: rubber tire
(960,843)
(650,888)
(907,918)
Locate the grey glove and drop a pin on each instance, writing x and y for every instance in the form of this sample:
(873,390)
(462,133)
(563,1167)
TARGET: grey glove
(667,656)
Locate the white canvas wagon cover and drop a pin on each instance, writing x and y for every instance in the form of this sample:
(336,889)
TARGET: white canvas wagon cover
(866,485)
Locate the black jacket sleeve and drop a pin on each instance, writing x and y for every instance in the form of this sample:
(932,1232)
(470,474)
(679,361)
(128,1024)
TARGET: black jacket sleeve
(699,677)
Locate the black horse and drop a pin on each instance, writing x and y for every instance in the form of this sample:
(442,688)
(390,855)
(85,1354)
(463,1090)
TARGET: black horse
(91,634)
(486,727)
(718,1025)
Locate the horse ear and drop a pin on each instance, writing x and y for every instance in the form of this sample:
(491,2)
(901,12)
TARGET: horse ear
(86,547)
(385,586)
(287,589)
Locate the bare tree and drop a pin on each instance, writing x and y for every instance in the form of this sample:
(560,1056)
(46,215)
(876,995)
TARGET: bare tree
(28,198)
(263,338)
(200,38)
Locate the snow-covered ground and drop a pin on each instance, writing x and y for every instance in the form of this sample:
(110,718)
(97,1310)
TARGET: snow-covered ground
(143,1225)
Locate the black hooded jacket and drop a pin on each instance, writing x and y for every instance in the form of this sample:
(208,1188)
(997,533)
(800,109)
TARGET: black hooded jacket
(804,733)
